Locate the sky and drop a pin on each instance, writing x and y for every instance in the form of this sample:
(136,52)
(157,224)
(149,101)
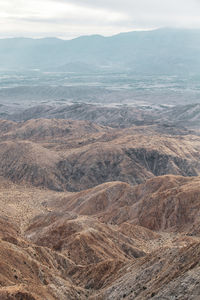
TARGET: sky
(72,18)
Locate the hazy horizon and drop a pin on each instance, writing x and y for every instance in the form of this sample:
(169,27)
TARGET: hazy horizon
(100,35)
(83,35)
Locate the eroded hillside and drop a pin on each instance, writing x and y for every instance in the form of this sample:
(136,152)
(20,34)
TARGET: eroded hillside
(77,155)
(96,212)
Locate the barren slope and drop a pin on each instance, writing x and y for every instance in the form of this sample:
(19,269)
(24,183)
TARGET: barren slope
(31,163)
(105,261)
(164,274)
(117,116)
(109,238)
(162,203)
(130,158)
(83,239)
(76,155)
(31,272)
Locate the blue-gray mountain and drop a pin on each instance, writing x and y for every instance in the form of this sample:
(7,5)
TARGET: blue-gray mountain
(171,51)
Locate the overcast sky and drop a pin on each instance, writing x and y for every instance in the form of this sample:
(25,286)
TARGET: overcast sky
(72,18)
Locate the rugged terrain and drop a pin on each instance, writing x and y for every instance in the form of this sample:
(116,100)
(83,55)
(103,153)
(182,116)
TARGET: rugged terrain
(174,119)
(77,155)
(92,211)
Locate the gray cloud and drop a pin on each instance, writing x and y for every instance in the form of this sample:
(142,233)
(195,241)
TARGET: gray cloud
(150,12)
(70,18)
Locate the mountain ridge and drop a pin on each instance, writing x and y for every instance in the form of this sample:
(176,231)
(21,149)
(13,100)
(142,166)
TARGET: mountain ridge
(139,52)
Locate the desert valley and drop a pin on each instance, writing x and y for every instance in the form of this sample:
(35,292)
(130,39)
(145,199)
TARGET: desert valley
(100,167)
(100,210)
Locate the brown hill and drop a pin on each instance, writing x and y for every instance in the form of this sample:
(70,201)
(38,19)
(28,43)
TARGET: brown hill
(79,257)
(31,272)
(84,240)
(76,155)
(164,274)
(168,202)
(50,130)
(130,158)
(164,202)
(29,162)
(168,263)
(115,240)
(97,200)
(22,202)
(6,126)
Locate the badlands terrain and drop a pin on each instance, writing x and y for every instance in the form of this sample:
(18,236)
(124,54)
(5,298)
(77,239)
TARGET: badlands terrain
(100,203)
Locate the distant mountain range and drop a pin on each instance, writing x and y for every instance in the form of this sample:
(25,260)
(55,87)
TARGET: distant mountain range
(165,51)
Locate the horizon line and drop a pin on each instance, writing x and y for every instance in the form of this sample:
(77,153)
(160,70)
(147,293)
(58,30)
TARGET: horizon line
(90,35)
